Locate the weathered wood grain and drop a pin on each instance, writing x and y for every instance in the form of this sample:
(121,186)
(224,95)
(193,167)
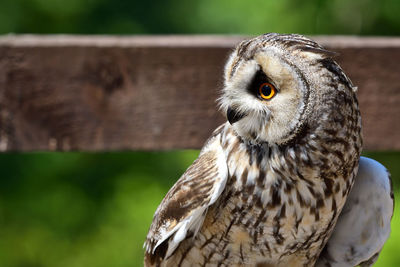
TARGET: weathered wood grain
(156,92)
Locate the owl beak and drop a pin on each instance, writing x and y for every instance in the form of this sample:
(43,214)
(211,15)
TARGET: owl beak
(234,115)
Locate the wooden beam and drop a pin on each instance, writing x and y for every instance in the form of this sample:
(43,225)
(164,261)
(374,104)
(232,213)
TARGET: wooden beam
(97,93)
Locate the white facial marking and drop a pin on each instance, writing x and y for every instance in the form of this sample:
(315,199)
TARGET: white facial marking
(266,120)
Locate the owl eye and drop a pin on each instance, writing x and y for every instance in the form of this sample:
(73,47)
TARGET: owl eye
(266,91)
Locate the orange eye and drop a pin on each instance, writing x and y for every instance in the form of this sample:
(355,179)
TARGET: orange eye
(266,91)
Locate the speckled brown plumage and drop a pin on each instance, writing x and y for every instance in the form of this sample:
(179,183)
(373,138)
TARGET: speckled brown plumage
(267,189)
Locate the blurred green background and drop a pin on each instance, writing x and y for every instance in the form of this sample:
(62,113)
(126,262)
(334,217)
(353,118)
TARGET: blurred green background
(200,16)
(94,209)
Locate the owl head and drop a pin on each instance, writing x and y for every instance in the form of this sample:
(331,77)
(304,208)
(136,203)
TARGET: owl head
(273,85)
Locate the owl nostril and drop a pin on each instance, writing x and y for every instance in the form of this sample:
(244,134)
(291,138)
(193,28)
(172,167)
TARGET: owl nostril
(234,115)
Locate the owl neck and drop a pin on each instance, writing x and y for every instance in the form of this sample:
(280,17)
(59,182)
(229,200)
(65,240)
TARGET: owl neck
(305,157)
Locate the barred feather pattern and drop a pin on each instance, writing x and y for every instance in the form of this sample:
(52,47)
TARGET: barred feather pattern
(279,206)
(280,202)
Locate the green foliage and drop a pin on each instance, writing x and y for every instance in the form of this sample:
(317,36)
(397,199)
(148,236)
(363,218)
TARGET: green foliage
(365,17)
(73,209)
(81,209)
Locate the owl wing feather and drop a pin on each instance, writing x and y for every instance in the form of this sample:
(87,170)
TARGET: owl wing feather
(182,211)
(364,224)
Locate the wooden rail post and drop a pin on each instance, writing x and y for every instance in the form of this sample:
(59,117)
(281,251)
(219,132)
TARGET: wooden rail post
(156,92)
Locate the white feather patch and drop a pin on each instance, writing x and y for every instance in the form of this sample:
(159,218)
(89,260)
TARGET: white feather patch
(194,221)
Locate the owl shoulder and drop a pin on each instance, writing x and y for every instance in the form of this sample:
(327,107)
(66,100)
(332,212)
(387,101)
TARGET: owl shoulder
(182,211)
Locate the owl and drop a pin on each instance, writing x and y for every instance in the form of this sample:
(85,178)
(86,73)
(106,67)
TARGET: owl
(273,185)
